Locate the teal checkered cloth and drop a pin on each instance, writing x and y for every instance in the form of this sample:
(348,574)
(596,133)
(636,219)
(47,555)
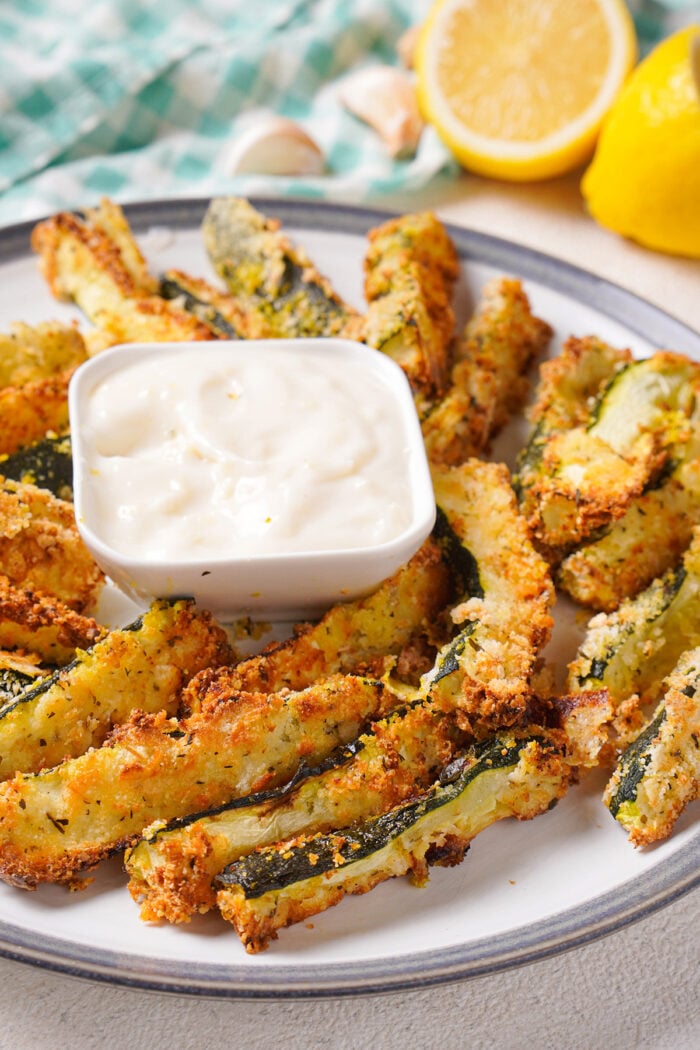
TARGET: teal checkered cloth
(138,100)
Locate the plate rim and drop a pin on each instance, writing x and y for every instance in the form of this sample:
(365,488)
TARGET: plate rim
(573,927)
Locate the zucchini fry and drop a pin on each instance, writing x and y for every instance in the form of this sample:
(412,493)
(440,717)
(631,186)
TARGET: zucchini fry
(586,477)
(488,380)
(47,464)
(278,290)
(411,266)
(43,625)
(648,539)
(18,671)
(60,821)
(40,548)
(514,774)
(642,545)
(96,264)
(485,672)
(659,773)
(631,650)
(172,868)
(28,354)
(143,666)
(219,311)
(31,411)
(353,634)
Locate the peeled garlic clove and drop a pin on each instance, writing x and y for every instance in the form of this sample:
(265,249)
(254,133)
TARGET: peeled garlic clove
(384,98)
(275,146)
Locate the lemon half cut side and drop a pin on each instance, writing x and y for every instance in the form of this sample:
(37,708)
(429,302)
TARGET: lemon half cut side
(644,180)
(517,89)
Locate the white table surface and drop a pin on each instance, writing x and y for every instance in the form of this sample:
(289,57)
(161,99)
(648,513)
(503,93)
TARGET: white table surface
(636,989)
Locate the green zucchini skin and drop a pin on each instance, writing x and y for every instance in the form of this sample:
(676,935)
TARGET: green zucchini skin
(463,566)
(276,869)
(659,773)
(518,775)
(176,288)
(631,650)
(74,708)
(633,764)
(273,281)
(47,463)
(12,685)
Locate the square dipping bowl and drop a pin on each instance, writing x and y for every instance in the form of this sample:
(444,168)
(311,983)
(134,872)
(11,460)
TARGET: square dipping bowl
(148,517)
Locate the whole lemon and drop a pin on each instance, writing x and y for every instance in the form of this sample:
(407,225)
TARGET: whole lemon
(644,179)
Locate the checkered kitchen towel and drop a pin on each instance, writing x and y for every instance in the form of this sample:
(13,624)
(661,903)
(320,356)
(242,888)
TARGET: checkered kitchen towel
(138,99)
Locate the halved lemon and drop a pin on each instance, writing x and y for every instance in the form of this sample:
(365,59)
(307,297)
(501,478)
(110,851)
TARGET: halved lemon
(517,89)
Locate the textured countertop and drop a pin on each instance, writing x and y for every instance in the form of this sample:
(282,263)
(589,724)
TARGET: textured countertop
(636,988)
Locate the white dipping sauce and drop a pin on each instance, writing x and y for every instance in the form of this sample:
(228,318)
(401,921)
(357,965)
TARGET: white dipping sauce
(219,452)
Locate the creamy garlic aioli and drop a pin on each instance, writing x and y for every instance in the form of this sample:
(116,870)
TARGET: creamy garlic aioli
(218,452)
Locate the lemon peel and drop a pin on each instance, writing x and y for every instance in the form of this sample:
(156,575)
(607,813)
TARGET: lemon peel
(644,180)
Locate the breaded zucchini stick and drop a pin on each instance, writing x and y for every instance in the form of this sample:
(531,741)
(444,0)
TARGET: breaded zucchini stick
(97,264)
(648,539)
(173,866)
(354,633)
(586,477)
(487,381)
(485,671)
(631,650)
(40,548)
(141,667)
(28,353)
(46,463)
(43,625)
(411,266)
(275,285)
(520,774)
(55,823)
(18,670)
(219,311)
(659,773)
(31,411)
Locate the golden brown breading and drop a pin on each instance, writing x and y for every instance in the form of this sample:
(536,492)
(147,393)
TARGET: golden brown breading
(410,269)
(96,264)
(501,631)
(488,380)
(280,885)
(172,869)
(278,289)
(30,353)
(650,537)
(659,773)
(44,625)
(353,633)
(41,549)
(62,820)
(570,382)
(30,411)
(141,667)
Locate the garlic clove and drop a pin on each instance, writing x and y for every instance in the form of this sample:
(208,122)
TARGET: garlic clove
(384,98)
(275,146)
(406,45)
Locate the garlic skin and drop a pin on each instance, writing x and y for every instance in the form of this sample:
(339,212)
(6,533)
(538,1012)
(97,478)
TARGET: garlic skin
(406,45)
(275,146)
(384,97)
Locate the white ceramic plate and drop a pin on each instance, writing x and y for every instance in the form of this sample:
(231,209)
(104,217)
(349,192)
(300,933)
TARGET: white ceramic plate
(525,890)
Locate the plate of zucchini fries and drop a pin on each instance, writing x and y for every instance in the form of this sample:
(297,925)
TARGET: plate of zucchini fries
(491,758)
